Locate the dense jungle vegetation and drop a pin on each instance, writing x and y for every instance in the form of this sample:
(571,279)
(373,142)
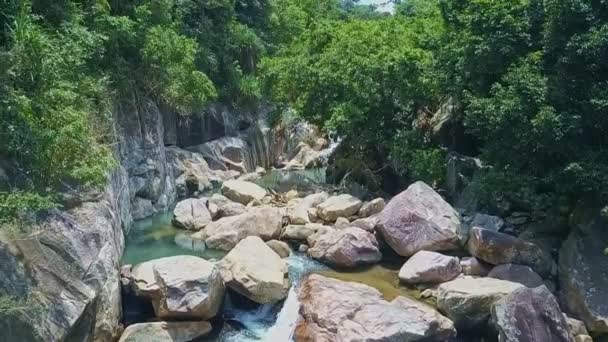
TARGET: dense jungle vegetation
(526,82)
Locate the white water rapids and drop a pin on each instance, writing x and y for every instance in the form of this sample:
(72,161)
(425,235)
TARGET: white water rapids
(264,324)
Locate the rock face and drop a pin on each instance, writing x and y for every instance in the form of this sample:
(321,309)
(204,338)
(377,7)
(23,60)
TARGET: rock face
(498,248)
(69,270)
(530,315)
(468,301)
(372,208)
(349,247)
(180,287)
(165,332)
(225,233)
(242,192)
(429,267)
(333,310)
(419,219)
(300,212)
(517,274)
(141,151)
(583,275)
(191,214)
(338,206)
(255,271)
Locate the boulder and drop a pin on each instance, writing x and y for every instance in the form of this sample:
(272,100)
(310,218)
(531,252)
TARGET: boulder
(306,156)
(342,222)
(575,326)
(338,206)
(191,214)
(300,215)
(471,266)
(242,192)
(226,232)
(300,232)
(320,231)
(372,208)
(498,248)
(349,247)
(226,207)
(517,274)
(368,223)
(279,247)
(530,315)
(419,219)
(468,301)
(583,275)
(165,332)
(179,287)
(255,271)
(429,267)
(334,310)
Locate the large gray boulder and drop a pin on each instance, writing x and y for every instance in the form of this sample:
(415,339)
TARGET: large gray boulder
(429,267)
(419,219)
(518,274)
(343,205)
(468,301)
(299,232)
(226,207)
(530,315)
(191,214)
(583,275)
(299,215)
(498,248)
(180,287)
(226,232)
(334,310)
(242,192)
(165,332)
(349,247)
(255,271)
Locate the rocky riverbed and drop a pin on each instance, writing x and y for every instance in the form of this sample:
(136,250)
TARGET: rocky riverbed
(252,264)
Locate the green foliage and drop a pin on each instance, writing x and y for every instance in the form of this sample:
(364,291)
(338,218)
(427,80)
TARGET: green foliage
(11,307)
(15,205)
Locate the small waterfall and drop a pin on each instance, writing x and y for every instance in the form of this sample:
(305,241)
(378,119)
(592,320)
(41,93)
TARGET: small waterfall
(284,327)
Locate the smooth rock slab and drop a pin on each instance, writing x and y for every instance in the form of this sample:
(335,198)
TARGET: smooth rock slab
(468,301)
(349,247)
(255,271)
(334,310)
(530,315)
(226,232)
(180,287)
(191,214)
(165,332)
(419,219)
(429,267)
(242,192)
(338,206)
(518,274)
(498,248)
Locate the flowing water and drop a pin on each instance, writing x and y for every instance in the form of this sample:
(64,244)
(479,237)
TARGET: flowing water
(243,321)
